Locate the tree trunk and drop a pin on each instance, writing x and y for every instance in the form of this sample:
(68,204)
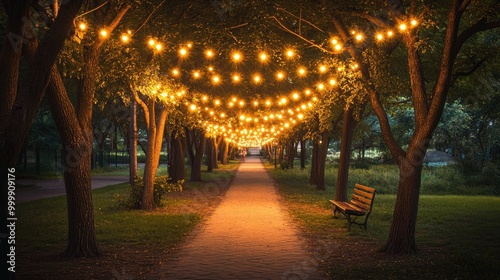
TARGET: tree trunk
(313,178)
(195,148)
(215,155)
(77,155)
(402,233)
(132,152)
(176,162)
(348,127)
(303,154)
(82,240)
(155,140)
(322,150)
(10,57)
(232,152)
(281,154)
(210,154)
(291,152)
(224,152)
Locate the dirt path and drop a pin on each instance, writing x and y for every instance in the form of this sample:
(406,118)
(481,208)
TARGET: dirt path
(248,236)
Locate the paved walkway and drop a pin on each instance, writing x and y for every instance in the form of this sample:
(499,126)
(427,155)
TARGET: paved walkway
(248,236)
(43,188)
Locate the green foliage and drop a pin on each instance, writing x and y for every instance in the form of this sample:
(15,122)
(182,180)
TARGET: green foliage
(385,178)
(162,185)
(284,165)
(360,165)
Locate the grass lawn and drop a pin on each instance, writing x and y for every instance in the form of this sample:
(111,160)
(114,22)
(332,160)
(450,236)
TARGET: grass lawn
(457,235)
(133,242)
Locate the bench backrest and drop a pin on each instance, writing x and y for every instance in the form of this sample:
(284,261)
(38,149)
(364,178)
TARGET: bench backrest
(363,197)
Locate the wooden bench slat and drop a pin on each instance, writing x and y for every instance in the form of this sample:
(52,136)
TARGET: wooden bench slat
(362,199)
(361,205)
(365,188)
(363,193)
(348,207)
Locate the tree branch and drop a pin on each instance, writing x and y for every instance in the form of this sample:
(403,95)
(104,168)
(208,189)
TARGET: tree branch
(49,20)
(480,25)
(301,37)
(468,72)
(300,19)
(396,151)
(237,26)
(148,18)
(380,22)
(139,101)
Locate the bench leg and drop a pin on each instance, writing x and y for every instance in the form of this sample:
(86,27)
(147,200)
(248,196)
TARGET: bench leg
(349,221)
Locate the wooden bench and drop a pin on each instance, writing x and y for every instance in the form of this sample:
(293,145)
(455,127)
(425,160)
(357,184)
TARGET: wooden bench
(360,205)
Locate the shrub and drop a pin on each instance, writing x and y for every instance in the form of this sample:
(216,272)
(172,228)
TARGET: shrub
(284,165)
(360,165)
(162,186)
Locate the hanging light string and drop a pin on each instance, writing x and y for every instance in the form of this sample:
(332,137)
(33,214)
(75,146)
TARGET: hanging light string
(247,121)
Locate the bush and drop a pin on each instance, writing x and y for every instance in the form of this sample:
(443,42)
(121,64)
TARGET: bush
(284,165)
(360,165)
(162,186)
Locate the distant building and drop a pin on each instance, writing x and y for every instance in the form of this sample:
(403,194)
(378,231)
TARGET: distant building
(437,158)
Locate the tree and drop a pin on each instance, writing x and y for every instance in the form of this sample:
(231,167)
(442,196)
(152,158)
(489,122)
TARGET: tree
(157,97)
(428,105)
(41,57)
(74,122)
(195,148)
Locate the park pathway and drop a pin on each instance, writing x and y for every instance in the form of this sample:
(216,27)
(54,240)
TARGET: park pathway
(248,236)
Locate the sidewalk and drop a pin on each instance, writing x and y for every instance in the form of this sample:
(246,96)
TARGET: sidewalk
(248,236)
(43,188)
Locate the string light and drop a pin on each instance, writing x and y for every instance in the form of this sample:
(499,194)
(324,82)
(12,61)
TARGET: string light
(104,33)
(237,56)
(280,75)
(262,57)
(209,53)
(183,52)
(125,38)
